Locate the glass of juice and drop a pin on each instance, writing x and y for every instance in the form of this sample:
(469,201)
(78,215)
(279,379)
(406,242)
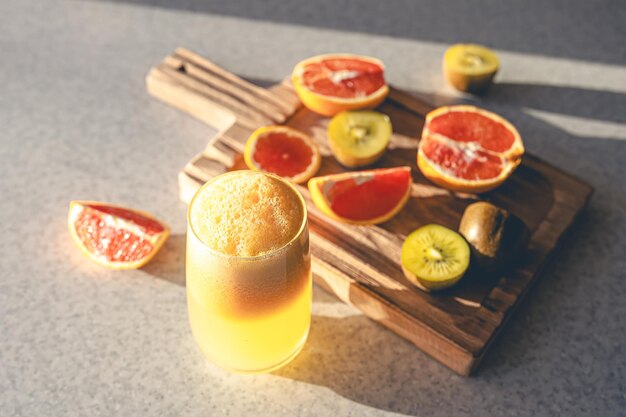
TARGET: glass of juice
(248,271)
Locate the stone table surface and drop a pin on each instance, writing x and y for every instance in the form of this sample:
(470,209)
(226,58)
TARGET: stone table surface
(77,123)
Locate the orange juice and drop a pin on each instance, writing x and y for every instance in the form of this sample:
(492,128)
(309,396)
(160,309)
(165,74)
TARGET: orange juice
(248,271)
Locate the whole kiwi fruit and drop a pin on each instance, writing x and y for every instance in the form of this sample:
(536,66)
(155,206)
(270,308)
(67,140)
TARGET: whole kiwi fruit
(495,236)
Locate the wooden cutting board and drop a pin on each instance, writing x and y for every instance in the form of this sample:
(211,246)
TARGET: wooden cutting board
(361,264)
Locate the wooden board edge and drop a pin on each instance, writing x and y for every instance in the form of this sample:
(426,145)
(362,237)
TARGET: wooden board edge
(375,307)
(586,189)
(564,233)
(187,187)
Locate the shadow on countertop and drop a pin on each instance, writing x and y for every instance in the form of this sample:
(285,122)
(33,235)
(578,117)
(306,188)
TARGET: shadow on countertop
(572,101)
(591,31)
(169,263)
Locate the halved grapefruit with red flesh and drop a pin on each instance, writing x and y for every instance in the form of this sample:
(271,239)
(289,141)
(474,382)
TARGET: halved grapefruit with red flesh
(283,151)
(114,236)
(362,197)
(467,149)
(329,84)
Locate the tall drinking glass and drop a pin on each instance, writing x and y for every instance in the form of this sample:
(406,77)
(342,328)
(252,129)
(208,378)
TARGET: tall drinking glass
(248,271)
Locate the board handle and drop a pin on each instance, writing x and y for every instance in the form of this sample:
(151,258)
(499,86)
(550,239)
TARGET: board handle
(216,96)
(234,106)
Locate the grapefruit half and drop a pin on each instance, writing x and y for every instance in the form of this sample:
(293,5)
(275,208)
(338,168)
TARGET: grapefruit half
(464,148)
(283,151)
(329,84)
(113,236)
(362,197)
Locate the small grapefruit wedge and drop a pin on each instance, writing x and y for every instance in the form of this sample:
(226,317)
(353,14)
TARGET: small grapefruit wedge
(113,236)
(329,84)
(467,149)
(362,197)
(283,151)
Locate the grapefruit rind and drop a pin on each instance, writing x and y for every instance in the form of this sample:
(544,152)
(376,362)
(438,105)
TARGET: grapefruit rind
(440,177)
(511,158)
(330,105)
(515,151)
(316,185)
(311,170)
(157,240)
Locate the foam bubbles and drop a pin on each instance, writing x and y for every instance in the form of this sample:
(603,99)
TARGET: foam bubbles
(246,213)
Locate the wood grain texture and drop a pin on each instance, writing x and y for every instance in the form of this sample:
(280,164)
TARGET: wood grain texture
(361,264)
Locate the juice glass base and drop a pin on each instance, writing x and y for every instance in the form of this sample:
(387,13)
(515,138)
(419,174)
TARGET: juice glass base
(279,365)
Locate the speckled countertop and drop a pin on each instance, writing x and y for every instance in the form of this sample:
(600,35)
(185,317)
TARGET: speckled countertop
(76,123)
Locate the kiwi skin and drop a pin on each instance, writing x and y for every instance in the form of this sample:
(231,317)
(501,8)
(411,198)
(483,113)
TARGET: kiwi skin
(495,236)
(470,80)
(474,84)
(430,286)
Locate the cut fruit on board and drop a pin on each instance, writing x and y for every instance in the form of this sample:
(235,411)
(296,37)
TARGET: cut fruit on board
(359,137)
(546,198)
(467,149)
(362,197)
(282,151)
(329,84)
(434,257)
(470,67)
(113,236)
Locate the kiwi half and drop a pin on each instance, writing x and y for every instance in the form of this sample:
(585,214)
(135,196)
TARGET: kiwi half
(359,137)
(435,257)
(470,68)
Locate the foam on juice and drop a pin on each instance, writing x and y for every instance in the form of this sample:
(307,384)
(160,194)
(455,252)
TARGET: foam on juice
(249,214)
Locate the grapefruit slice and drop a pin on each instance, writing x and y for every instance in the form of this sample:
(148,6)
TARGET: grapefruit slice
(362,197)
(282,151)
(115,237)
(329,84)
(467,149)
